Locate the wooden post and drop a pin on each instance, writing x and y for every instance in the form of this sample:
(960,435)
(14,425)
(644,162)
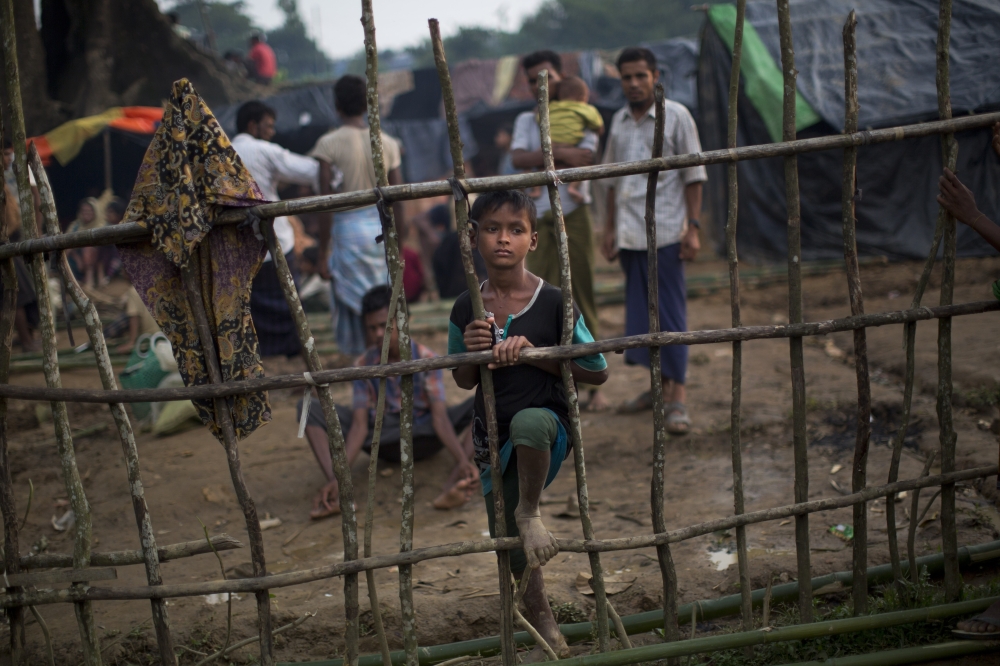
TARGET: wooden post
(849,220)
(508,651)
(799,441)
(949,153)
(668,574)
(572,397)
(732,255)
(8,504)
(196,276)
(95,331)
(393,246)
(82,532)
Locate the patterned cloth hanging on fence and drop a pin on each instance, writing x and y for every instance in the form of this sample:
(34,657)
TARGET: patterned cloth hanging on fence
(188,177)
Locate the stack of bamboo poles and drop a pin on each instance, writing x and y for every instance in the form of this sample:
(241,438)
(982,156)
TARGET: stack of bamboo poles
(20,595)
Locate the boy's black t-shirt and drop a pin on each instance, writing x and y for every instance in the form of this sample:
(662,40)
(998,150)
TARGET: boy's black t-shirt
(522,386)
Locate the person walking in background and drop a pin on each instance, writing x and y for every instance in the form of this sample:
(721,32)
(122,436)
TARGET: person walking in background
(353,261)
(270,165)
(264,64)
(678,203)
(526,154)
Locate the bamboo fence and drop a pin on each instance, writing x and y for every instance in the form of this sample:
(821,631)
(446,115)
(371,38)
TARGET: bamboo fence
(84,565)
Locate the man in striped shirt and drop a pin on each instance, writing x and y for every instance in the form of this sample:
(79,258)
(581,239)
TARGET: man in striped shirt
(678,203)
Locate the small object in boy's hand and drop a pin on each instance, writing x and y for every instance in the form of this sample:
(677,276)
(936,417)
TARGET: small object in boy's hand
(495,333)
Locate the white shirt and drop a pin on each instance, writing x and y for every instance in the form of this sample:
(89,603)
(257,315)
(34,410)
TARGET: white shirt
(527,137)
(270,164)
(630,140)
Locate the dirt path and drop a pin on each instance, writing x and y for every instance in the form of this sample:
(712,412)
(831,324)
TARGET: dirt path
(187,481)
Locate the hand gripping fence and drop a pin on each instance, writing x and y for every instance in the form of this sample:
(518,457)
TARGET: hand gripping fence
(22,591)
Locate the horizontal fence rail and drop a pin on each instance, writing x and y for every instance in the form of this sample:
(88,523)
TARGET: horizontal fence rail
(132,232)
(41,597)
(663,339)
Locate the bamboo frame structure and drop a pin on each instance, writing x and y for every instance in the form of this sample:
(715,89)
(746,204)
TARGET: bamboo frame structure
(196,279)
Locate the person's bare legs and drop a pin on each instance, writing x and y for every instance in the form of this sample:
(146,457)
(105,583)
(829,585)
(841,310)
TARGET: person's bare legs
(24,334)
(327,501)
(538,543)
(539,613)
(457,490)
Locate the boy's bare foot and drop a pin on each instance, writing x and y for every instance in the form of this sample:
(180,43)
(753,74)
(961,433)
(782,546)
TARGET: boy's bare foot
(456,496)
(538,543)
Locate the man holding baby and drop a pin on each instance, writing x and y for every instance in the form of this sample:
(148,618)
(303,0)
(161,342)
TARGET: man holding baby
(575,136)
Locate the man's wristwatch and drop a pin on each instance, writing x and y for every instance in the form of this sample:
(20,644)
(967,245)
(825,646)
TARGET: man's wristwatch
(694,223)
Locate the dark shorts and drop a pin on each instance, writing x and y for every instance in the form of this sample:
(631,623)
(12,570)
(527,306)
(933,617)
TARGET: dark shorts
(425,440)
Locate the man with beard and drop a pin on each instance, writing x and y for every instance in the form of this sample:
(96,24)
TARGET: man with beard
(678,203)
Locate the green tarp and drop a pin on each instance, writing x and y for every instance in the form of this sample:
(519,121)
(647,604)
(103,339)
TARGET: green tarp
(763,82)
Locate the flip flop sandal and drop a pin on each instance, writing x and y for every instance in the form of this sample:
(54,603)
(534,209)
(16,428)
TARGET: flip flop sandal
(678,422)
(641,403)
(985,618)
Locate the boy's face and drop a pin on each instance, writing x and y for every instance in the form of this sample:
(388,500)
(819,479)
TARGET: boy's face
(375,329)
(505,237)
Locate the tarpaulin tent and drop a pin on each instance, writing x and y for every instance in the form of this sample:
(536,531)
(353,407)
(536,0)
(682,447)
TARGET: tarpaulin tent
(81,154)
(897,210)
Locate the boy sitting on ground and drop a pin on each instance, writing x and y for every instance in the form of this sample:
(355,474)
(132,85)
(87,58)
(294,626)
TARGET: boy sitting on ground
(434,423)
(570,116)
(532,412)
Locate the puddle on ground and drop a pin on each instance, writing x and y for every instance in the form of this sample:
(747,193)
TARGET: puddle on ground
(722,560)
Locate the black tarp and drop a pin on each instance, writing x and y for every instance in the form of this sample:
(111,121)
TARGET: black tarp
(897,211)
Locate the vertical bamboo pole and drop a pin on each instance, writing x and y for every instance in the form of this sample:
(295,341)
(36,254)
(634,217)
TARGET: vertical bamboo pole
(50,361)
(196,275)
(799,441)
(395,264)
(572,397)
(949,153)
(335,437)
(732,216)
(508,653)
(94,330)
(671,631)
(864,428)
(397,297)
(11,551)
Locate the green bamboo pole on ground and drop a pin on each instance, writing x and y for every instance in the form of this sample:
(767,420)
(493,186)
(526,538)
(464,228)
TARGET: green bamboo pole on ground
(147,539)
(732,256)
(707,609)
(572,397)
(82,532)
(8,504)
(508,652)
(395,264)
(949,153)
(799,441)
(859,474)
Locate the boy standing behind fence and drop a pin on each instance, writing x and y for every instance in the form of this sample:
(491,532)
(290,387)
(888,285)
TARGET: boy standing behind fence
(532,412)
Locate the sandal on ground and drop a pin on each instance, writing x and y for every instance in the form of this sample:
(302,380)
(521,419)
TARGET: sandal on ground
(678,422)
(990,616)
(641,403)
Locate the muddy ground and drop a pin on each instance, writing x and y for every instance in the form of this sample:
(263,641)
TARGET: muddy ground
(187,482)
